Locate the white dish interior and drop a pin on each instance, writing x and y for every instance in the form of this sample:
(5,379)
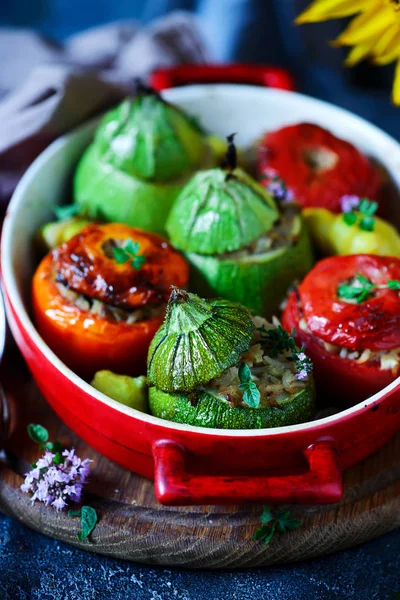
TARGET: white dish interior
(222,109)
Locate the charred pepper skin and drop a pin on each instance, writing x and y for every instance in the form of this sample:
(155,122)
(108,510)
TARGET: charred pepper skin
(87,342)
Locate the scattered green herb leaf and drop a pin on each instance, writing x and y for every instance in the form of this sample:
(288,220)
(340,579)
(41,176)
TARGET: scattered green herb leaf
(58,459)
(361,288)
(66,212)
(52,446)
(88,517)
(38,433)
(350,218)
(251,394)
(283,522)
(279,341)
(129,251)
(364,216)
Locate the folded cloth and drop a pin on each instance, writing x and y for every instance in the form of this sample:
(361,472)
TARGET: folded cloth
(45,89)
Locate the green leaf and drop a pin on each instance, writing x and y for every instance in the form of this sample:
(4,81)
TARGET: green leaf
(350,218)
(362,279)
(367,208)
(138,261)
(267,515)
(287,522)
(74,513)
(131,247)
(244,373)
(261,533)
(367,223)
(393,284)
(52,446)
(120,255)
(66,212)
(38,433)
(58,459)
(282,523)
(88,522)
(252,395)
(396,596)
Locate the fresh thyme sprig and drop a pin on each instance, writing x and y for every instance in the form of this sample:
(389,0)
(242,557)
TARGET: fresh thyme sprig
(361,288)
(251,394)
(279,341)
(270,525)
(364,216)
(129,251)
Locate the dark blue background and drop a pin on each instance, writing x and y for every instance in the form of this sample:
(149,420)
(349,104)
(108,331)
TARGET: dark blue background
(34,567)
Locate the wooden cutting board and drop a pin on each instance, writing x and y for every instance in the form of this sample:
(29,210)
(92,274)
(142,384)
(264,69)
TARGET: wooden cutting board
(132,525)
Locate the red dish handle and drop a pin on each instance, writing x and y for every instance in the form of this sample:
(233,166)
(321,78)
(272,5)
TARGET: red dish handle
(321,484)
(262,75)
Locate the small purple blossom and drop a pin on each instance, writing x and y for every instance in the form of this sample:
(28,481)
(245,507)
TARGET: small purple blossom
(349,202)
(303,365)
(277,187)
(303,374)
(57,484)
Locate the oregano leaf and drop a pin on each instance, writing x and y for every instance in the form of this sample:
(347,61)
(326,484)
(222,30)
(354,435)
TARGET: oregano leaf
(38,433)
(88,522)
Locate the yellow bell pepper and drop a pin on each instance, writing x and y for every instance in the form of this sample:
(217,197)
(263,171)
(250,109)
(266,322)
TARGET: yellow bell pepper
(332,235)
(131,391)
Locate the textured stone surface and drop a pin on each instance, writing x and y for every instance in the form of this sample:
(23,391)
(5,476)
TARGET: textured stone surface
(33,567)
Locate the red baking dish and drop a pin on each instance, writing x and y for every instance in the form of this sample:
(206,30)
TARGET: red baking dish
(192,465)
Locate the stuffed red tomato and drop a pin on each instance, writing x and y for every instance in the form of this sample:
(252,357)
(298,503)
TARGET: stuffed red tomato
(99,298)
(346,313)
(317,167)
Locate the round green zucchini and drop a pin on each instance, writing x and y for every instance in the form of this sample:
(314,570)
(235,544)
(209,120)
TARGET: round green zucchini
(259,281)
(210,411)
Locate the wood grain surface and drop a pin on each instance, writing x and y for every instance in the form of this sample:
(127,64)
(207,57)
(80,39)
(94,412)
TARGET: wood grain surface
(132,525)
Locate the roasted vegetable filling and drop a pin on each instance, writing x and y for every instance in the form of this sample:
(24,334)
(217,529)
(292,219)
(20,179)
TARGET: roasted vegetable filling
(108,311)
(278,375)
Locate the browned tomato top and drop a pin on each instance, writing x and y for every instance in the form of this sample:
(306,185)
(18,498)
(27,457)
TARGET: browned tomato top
(373,324)
(87,265)
(317,166)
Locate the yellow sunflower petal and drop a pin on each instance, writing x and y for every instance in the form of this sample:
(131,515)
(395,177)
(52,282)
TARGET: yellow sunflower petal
(386,59)
(396,85)
(385,40)
(366,25)
(321,10)
(358,53)
(392,49)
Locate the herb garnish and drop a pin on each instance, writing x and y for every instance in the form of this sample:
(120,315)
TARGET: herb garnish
(40,435)
(251,394)
(66,212)
(362,288)
(129,251)
(270,524)
(88,517)
(364,216)
(279,341)
(58,476)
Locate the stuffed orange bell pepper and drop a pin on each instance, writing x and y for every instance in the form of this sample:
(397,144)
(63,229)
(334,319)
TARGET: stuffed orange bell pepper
(99,298)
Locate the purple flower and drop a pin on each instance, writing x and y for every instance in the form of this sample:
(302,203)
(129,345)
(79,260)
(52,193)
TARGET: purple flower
(303,374)
(279,191)
(349,202)
(57,484)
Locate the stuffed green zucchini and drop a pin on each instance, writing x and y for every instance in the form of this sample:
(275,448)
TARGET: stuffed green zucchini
(212,365)
(242,244)
(143,153)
